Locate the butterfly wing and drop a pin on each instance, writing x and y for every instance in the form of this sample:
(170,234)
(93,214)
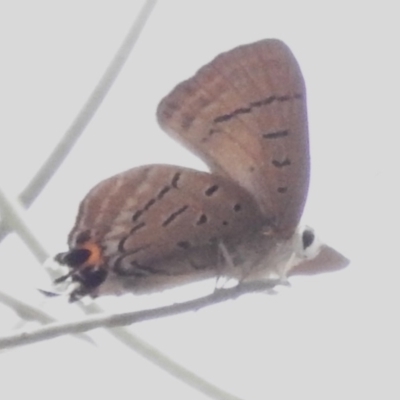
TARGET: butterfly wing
(146,216)
(245,115)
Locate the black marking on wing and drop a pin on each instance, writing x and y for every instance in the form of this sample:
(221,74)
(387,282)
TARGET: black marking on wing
(227,117)
(153,200)
(237,207)
(163,192)
(280,164)
(121,244)
(211,190)
(140,212)
(137,227)
(282,189)
(174,215)
(149,204)
(137,215)
(202,220)
(276,134)
(175,180)
(253,105)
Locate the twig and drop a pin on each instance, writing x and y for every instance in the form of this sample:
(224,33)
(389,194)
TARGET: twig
(13,214)
(127,318)
(27,312)
(150,353)
(56,158)
(24,310)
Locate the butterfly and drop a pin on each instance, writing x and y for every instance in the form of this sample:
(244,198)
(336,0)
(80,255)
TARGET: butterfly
(244,114)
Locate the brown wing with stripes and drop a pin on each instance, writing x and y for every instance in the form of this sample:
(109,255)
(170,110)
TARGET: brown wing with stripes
(245,115)
(145,216)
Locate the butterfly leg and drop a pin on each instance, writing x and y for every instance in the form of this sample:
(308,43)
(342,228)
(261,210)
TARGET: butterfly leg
(225,268)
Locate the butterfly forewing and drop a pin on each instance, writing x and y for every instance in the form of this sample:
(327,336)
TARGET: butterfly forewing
(244,114)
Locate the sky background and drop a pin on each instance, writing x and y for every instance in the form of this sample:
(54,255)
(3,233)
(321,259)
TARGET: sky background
(328,336)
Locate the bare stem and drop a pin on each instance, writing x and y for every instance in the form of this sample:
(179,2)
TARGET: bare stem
(78,125)
(127,318)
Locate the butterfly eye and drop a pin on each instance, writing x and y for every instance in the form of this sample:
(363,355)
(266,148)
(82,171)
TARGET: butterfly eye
(308,238)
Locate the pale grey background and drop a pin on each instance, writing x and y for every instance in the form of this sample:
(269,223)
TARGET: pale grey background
(331,336)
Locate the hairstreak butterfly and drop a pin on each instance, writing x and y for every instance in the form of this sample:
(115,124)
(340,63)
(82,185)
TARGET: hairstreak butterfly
(245,115)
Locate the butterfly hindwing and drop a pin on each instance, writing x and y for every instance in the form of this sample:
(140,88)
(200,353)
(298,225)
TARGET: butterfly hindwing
(155,213)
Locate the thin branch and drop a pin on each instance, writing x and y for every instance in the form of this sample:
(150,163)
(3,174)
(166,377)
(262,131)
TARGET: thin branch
(56,158)
(126,337)
(13,214)
(150,353)
(127,318)
(24,310)
(29,313)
